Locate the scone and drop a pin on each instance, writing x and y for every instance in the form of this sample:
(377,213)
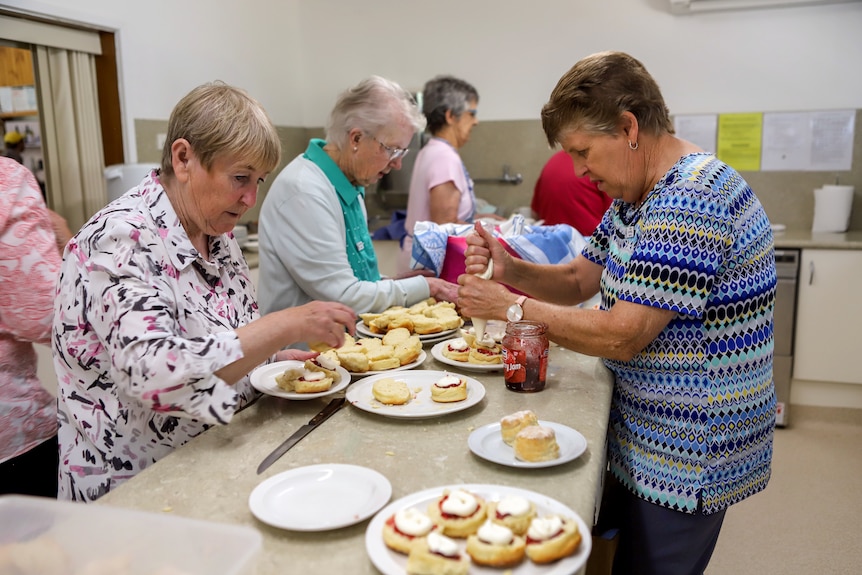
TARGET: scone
(485,355)
(426,325)
(551,538)
(513,511)
(436,555)
(326,363)
(511,424)
(536,443)
(448,389)
(355,362)
(312,382)
(395,336)
(496,546)
(390,391)
(456,349)
(458,513)
(408,350)
(405,527)
(384,364)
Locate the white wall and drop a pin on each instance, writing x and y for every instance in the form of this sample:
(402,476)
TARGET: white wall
(296,55)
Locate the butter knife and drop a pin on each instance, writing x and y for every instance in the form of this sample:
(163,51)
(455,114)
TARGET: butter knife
(324,414)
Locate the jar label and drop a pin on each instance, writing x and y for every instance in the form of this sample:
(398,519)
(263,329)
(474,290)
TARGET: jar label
(515,364)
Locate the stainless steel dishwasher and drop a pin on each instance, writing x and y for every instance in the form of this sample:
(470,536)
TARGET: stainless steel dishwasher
(787,270)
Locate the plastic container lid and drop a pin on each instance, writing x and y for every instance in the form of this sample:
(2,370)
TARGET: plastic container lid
(42,536)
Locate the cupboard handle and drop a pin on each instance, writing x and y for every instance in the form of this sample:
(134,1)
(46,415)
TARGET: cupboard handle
(811,273)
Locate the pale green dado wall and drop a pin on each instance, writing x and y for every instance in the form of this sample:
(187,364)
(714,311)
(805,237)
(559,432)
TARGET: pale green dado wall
(520,144)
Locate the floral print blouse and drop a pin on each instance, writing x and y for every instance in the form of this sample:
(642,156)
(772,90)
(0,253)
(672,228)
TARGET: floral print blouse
(142,321)
(29,263)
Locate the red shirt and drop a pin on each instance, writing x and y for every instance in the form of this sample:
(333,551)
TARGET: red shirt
(560,197)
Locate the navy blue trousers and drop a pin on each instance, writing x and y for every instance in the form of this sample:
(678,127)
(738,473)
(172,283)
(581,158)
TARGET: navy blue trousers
(655,540)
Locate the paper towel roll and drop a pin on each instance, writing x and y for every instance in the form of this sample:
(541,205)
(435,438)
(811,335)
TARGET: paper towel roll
(832,206)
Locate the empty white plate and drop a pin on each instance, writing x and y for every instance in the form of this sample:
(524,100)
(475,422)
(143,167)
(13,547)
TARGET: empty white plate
(320,497)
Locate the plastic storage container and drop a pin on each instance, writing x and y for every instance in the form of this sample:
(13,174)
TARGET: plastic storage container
(41,536)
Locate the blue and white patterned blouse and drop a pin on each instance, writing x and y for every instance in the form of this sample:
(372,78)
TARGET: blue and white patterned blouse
(692,415)
(141,324)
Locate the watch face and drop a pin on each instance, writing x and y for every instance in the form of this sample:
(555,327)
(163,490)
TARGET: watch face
(515,312)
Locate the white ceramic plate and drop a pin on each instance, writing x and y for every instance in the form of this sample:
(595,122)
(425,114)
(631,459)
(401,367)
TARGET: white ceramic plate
(487,443)
(263,380)
(417,363)
(437,353)
(391,563)
(420,405)
(320,497)
(363,330)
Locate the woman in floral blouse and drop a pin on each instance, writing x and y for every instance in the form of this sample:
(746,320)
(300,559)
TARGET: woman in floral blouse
(156,323)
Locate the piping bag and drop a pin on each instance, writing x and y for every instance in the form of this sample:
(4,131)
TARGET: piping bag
(478,323)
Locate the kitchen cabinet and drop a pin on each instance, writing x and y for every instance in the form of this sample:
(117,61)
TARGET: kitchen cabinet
(16,73)
(828,310)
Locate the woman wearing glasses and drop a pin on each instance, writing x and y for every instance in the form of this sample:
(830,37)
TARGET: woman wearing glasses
(314,240)
(441,189)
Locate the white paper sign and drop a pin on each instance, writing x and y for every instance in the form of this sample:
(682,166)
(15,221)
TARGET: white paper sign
(700,129)
(808,141)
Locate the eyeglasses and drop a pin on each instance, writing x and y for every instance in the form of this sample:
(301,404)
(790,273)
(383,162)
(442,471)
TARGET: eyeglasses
(471,111)
(394,153)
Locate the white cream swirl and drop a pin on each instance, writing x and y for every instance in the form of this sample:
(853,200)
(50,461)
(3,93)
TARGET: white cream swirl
(458,344)
(441,544)
(495,534)
(448,381)
(544,527)
(413,522)
(460,503)
(514,505)
(325,362)
(313,375)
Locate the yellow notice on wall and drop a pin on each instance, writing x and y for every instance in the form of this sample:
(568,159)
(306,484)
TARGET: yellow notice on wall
(739,140)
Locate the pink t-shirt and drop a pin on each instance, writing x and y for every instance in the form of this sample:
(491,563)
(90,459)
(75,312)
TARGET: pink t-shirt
(436,163)
(29,265)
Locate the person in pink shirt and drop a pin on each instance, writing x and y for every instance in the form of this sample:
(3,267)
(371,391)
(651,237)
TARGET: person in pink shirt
(29,266)
(561,197)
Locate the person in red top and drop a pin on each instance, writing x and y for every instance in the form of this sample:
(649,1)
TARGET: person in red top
(561,197)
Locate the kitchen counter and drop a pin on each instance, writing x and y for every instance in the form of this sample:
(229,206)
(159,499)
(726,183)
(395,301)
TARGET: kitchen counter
(212,476)
(810,240)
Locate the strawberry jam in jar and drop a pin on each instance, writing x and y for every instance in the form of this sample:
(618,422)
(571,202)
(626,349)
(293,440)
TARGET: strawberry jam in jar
(525,356)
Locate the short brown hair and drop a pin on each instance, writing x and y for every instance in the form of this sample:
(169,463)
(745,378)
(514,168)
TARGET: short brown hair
(221,120)
(595,92)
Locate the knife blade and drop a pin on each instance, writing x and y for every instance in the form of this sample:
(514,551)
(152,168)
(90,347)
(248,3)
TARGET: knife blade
(294,438)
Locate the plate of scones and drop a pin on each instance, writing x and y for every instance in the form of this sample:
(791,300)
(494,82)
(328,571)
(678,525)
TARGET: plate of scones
(396,350)
(469,353)
(477,529)
(428,319)
(521,439)
(415,394)
(293,379)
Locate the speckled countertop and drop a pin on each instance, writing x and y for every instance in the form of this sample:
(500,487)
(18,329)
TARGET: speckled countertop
(810,240)
(212,476)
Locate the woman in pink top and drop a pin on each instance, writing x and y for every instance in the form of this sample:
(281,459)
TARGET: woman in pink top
(441,189)
(29,265)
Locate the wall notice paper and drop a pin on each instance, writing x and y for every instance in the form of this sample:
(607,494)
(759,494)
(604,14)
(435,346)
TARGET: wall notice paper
(698,129)
(739,140)
(808,141)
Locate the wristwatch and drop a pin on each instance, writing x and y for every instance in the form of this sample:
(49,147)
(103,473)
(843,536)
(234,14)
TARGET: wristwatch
(516,310)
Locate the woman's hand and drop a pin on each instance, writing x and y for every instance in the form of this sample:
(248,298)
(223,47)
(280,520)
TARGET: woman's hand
(486,299)
(482,246)
(320,322)
(441,290)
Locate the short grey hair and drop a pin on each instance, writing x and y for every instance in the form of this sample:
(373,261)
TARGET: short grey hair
(371,105)
(443,94)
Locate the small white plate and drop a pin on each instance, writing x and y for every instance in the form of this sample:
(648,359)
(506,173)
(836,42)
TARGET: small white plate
(420,405)
(417,363)
(487,443)
(263,380)
(437,353)
(320,497)
(391,563)
(362,329)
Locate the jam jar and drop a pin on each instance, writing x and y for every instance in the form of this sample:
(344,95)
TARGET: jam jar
(525,356)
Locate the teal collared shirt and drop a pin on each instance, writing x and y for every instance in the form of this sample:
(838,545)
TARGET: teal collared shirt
(360,250)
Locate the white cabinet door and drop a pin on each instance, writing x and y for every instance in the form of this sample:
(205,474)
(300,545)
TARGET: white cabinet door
(828,315)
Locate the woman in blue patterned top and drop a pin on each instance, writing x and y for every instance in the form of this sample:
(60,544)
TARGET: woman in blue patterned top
(685,266)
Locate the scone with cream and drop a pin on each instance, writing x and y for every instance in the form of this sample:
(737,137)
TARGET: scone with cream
(511,424)
(437,555)
(536,443)
(551,538)
(405,527)
(448,389)
(513,511)
(302,380)
(495,545)
(327,363)
(485,355)
(391,391)
(458,512)
(456,349)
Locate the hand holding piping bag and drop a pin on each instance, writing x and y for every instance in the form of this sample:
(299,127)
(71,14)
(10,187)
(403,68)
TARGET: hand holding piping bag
(480,323)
